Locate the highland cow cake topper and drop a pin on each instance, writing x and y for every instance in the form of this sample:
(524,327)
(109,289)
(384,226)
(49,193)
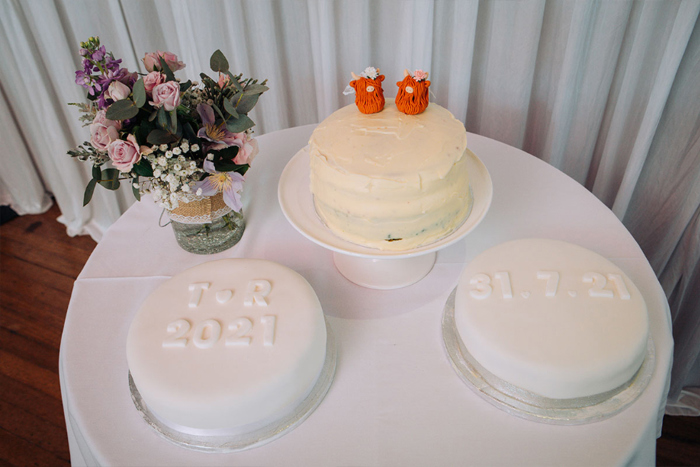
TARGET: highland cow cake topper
(369,95)
(413,97)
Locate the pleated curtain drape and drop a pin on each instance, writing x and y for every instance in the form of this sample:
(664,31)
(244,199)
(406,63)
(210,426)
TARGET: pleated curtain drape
(606,91)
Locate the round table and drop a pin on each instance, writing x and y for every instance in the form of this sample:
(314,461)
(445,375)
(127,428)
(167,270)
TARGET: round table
(395,399)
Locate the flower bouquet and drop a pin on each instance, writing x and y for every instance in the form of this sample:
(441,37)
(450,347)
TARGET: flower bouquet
(187,144)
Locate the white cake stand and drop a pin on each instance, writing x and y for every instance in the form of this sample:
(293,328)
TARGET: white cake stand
(369,267)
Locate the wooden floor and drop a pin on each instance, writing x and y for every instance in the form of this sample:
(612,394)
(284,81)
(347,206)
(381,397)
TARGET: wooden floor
(38,265)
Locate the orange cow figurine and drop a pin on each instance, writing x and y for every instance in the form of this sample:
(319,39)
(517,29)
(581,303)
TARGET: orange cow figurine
(369,95)
(412,97)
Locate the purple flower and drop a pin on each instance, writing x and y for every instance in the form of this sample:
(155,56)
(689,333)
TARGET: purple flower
(218,134)
(229,183)
(99,54)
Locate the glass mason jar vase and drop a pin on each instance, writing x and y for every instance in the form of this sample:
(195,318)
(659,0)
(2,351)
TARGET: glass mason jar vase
(205,225)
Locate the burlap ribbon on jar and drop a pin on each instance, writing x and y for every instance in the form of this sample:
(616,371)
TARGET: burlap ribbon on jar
(194,209)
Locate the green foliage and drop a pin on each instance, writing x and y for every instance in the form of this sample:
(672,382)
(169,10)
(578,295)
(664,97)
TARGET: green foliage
(247,103)
(240,124)
(134,188)
(158,136)
(122,110)
(185,86)
(218,62)
(166,70)
(110,179)
(143,168)
(89,190)
(139,93)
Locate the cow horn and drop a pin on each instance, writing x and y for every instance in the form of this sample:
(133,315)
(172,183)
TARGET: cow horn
(406,73)
(354,76)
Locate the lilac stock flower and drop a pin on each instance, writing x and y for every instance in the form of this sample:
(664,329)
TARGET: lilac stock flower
(229,183)
(99,54)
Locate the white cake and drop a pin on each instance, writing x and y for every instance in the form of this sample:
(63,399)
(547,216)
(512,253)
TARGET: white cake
(553,318)
(388,180)
(227,345)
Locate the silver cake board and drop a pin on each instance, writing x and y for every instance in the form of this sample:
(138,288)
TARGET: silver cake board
(528,405)
(255,436)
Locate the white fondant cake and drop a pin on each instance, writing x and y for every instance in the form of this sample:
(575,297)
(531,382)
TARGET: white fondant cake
(388,180)
(553,318)
(227,345)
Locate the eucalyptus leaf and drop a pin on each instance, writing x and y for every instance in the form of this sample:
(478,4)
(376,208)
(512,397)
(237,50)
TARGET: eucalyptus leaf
(247,103)
(139,93)
(153,116)
(240,124)
(229,107)
(158,136)
(235,81)
(166,69)
(218,62)
(122,110)
(255,89)
(185,86)
(89,190)
(134,189)
(173,121)
(163,119)
(96,173)
(143,168)
(218,110)
(110,179)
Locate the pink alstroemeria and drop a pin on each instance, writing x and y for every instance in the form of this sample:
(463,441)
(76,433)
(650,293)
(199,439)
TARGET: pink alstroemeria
(228,183)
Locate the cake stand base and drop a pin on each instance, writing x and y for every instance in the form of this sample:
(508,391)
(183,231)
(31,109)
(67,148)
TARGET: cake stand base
(384,274)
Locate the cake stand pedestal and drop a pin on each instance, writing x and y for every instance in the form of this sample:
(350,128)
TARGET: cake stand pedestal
(369,267)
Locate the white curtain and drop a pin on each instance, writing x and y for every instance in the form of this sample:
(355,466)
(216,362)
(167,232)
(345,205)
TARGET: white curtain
(605,91)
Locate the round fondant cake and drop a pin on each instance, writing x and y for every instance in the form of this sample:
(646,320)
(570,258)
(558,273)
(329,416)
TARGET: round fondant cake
(388,180)
(552,318)
(227,345)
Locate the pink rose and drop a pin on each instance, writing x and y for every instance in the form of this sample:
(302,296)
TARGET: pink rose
(166,95)
(171,60)
(103,131)
(101,136)
(117,91)
(152,80)
(124,154)
(101,119)
(247,148)
(152,61)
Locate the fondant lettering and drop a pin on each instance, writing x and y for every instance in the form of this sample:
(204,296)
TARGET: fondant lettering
(206,334)
(620,286)
(223,296)
(506,288)
(196,290)
(268,322)
(598,290)
(241,327)
(256,292)
(552,278)
(178,328)
(482,288)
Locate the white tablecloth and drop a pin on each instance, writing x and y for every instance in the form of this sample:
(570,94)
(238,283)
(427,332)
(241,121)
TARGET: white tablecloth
(395,399)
